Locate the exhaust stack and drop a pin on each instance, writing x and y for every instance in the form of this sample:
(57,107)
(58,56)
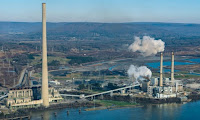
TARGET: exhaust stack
(172,68)
(45,91)
(161,70)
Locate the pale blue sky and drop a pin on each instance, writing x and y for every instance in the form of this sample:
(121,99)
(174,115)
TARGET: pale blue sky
(183,11)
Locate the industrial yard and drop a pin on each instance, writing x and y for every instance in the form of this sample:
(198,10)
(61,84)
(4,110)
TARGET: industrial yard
(83,73)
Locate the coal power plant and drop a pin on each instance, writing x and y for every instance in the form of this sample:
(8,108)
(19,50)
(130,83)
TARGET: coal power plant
(72,72)
(163,87)
(139,80)
(39,95)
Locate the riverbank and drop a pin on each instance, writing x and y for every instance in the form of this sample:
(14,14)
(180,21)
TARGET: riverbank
(151,111)
(54,106)
(194,97)
(141,100)
(110,104)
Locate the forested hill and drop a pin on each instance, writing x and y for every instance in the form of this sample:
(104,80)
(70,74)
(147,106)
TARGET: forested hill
(96,31)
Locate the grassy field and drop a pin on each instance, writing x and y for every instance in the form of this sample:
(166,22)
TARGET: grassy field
(109,103)
(61,78)
(37,75)
(38,60)
(187,76)
(178,75)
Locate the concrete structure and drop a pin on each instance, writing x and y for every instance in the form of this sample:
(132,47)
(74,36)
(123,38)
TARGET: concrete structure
(24,98)
(56,82)
(172,68)
(154,82)
(145,85)
(18,96)
(31,97)
(178,86)
(20,93)
(166,81)
(45,96)
(54,95)
(159,95)
(160,92)
(150,90)
(166,87)
(161,70)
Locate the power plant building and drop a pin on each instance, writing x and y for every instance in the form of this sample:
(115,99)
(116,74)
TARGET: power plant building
(30,97)
(24,98)
(163,87)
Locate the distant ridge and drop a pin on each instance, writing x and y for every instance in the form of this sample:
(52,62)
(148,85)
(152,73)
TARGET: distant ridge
(85,30)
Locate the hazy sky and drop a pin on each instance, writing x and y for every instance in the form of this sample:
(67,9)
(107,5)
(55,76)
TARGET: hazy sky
(184,11)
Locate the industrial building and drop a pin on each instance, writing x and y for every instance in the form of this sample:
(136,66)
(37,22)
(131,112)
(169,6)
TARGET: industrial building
(163,87)
(26,97)
(35,96)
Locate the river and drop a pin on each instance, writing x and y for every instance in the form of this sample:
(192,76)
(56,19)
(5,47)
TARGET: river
(148,112)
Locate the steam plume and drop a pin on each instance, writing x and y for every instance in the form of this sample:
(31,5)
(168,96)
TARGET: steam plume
(147,46)
(139,72)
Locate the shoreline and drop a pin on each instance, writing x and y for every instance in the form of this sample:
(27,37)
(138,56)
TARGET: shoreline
(98,106)
(112,107)
(28,111)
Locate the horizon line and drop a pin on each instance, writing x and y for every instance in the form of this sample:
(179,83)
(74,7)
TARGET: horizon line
(103,22)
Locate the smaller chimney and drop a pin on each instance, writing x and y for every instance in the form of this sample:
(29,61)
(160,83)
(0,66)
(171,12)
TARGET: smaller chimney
(172,68)
(161,70)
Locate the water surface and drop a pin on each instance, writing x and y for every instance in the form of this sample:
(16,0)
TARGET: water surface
(167,63)
(148,112)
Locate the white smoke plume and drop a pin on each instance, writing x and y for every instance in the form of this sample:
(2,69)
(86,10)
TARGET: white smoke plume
(139,72)
(147,46)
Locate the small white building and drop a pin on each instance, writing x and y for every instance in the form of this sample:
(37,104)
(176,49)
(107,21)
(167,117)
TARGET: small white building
(56,82)
(154,81)
(160,95)
(155,91)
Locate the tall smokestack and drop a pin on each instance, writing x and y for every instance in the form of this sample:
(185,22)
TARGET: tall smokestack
(161,70)
(45,93)
(172,68)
